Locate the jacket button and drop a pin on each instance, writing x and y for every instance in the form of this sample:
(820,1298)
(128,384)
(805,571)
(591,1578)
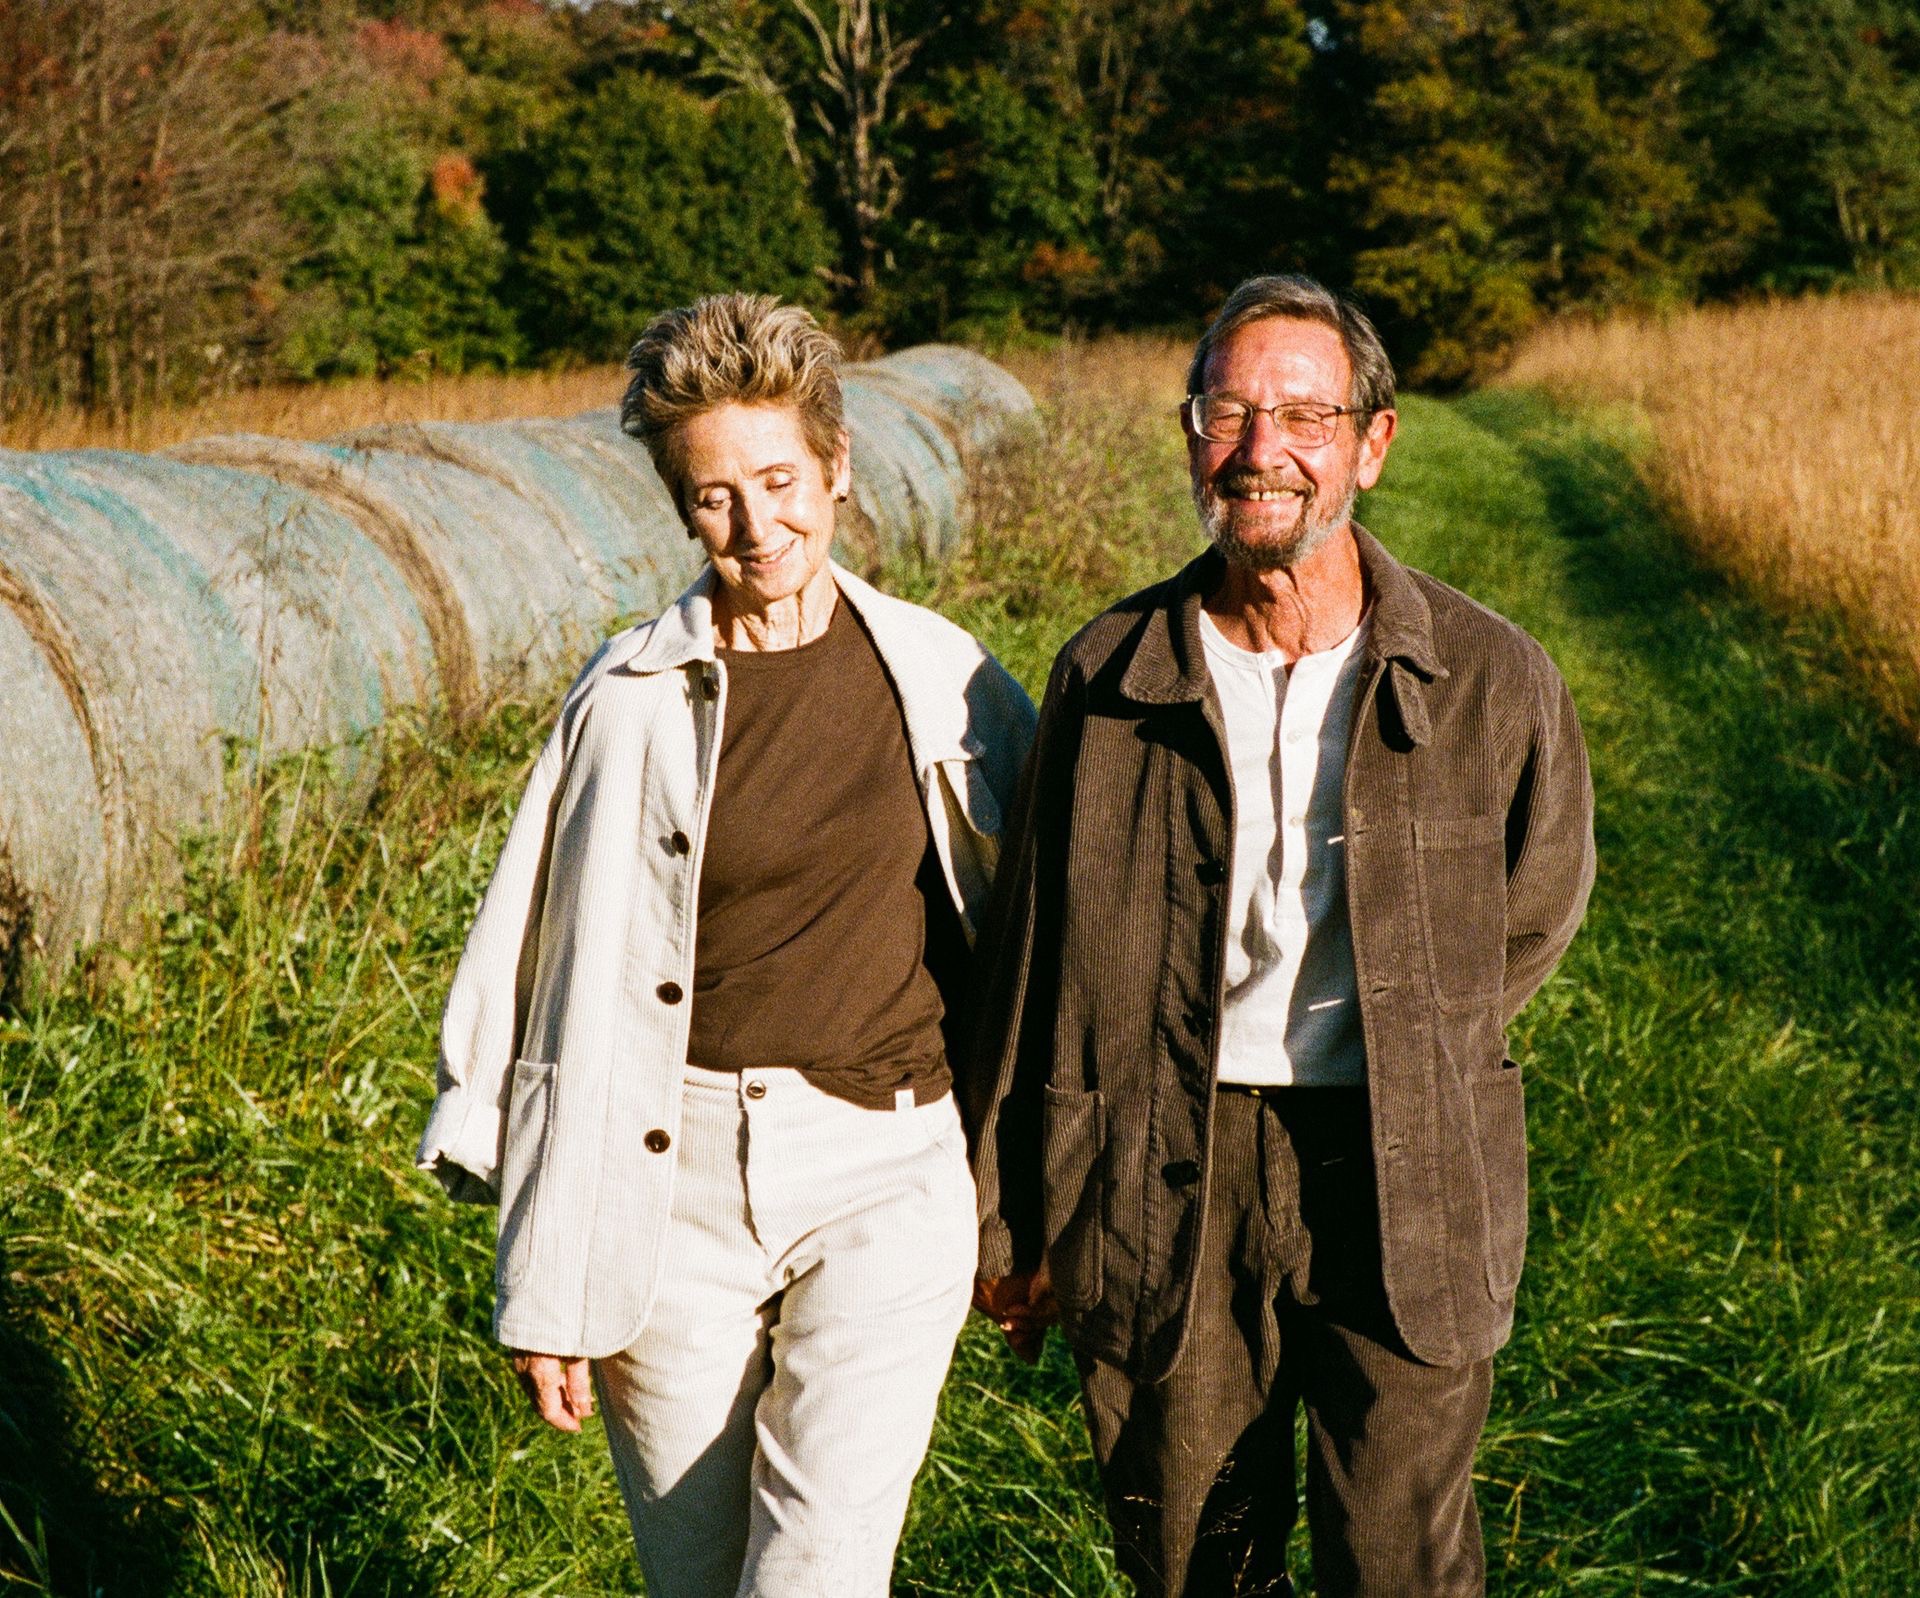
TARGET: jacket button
(669,993)
(1181,1173)
(680,843)
(1211,872)
(756,1090)
(657,1141)
(1197,1020)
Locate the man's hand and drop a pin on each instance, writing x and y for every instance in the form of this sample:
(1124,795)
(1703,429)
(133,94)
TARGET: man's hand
(559,1388)
(1022,1306)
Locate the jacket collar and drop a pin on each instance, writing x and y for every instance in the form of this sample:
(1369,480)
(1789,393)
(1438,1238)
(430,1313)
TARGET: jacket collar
(678,636)
(1169,664)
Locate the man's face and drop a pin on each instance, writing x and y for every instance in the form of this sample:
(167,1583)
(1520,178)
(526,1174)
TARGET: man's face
(1266,500)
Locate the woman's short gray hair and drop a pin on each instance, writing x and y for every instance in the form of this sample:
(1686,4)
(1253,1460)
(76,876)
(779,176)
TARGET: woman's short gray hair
(1290,294)
(731,349)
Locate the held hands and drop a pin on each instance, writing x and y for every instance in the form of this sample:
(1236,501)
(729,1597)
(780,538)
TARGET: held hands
(559,1388)
(1021,1304)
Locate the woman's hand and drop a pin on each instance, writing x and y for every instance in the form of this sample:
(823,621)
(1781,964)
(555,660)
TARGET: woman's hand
(559,1388)
(1021,1304)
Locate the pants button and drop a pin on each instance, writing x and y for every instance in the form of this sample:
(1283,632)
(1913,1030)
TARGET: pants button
(756,1090)
(657,1141)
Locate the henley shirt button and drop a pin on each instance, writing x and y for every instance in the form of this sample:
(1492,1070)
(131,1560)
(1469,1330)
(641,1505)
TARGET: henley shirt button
(756,1090)
(669,993)
(680,843)
(1181,1173)
(657,1141)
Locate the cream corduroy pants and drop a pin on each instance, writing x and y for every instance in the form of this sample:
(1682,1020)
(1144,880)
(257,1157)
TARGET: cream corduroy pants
(768,1423)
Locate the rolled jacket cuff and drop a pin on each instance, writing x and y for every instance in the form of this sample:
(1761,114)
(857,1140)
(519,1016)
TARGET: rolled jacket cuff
(462,1163)
(996,1251)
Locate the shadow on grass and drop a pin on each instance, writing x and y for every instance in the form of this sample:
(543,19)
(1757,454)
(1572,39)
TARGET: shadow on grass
(67,1530)
(63,1532)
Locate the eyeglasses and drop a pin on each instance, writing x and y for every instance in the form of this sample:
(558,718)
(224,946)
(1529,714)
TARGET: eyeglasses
(1222,419)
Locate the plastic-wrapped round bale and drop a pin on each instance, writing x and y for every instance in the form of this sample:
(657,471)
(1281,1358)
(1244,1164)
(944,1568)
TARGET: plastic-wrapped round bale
(250,596)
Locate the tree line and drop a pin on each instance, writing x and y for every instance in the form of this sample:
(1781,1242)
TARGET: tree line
(198,193)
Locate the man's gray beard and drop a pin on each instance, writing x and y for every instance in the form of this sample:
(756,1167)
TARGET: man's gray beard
(1216,516)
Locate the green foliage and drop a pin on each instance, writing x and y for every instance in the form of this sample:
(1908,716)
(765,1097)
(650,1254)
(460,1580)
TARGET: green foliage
(1518,159)
(1005,235)
(642,196)
(1245,147)
(1108,160)
(1814,110)
(992,170)
(403,265)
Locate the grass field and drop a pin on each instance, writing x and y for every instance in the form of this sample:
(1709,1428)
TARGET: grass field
(245,1342)
(1784,440)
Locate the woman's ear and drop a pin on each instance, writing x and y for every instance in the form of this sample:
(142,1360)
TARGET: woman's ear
(843,467)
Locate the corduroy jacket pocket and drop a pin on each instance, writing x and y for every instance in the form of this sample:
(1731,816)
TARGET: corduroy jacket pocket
(1462,862)
(1500,1118)
(1074,1129)
(529,1124)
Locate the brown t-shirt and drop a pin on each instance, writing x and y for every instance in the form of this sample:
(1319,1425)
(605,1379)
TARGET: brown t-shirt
(817,878)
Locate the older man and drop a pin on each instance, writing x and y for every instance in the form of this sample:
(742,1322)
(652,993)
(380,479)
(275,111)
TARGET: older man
(1302,832)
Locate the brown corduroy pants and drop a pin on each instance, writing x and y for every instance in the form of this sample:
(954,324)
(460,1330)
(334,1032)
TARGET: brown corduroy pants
(1289,1310)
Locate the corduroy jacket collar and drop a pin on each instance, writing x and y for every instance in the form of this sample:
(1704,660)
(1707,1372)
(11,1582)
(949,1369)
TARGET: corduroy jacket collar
(1170,667)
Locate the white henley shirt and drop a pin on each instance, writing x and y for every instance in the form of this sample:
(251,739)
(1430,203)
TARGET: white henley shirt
(1292,1012)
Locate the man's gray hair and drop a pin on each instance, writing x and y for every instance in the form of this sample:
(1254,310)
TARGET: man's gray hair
(731,349)
(1292,295)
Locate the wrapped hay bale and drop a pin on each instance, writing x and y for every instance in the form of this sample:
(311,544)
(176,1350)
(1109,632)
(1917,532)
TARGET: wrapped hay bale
(238,598)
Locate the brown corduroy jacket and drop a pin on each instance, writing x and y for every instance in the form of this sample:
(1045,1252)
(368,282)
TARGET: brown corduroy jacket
(1469,837)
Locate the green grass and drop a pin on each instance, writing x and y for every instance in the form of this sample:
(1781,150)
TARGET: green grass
(245,1344)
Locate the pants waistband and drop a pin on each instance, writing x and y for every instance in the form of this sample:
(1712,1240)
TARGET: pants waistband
(907,1096)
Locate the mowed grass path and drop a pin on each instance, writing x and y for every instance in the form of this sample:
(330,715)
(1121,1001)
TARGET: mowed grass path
(244,1345)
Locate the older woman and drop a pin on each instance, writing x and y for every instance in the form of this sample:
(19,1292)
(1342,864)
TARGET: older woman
(694,1045)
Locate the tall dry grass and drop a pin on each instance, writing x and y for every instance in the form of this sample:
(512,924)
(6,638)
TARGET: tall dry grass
(1785,440)
(1124,372)
(320,410)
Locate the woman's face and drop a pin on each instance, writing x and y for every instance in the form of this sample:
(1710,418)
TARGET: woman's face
(759,500)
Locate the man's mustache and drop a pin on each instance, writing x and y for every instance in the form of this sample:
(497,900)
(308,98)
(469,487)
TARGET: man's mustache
(1243,480)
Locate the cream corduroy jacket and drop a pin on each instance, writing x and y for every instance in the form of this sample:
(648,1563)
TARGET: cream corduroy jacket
(565,1031)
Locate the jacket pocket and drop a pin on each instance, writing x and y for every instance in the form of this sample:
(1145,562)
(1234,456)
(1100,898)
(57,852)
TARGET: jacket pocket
(1462,862)
(1074,1132)
(1500,1119)
(529,1127)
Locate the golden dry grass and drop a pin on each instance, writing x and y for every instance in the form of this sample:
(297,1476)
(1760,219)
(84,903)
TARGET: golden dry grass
(320,410)
(1123,370)
(1785,440)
